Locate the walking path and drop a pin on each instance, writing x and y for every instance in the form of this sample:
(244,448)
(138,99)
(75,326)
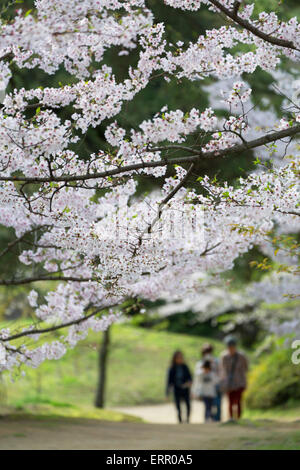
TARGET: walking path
(165,413)
(62,433)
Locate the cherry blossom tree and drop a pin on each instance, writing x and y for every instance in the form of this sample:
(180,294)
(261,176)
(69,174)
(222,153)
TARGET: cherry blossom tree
(83,222)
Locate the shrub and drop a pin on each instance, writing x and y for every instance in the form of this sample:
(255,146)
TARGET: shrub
(274,381)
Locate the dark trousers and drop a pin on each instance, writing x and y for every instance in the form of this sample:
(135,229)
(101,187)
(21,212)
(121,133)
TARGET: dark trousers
(208,404)
(217,405)
(235,403)
(182,394)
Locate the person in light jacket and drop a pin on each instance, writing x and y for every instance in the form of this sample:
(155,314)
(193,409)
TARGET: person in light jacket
(204,387)
(207,353)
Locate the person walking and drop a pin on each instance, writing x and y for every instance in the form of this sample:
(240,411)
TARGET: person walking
(207,353)
(234,367)
(204,387)
(180,380)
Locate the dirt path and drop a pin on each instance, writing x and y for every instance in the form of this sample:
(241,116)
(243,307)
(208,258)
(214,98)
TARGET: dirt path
(165,413)
(24,433)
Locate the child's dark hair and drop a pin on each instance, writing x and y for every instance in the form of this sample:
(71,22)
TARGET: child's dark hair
(176,353)
(207,348)
(206,365)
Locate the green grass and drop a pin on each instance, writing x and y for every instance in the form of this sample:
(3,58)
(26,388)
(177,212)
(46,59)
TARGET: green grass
(270,434)
(287,412)
(289,440)
(136,375)
(50,415)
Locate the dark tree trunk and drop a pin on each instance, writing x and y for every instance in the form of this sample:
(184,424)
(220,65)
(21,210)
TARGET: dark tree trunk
(103,356)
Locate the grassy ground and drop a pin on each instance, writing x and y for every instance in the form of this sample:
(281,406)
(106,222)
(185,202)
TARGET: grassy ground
(48,413)
(137,368)
(287,412)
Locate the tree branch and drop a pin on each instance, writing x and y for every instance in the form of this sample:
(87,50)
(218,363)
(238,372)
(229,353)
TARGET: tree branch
(29,280)
(55,328)
(165,201)
(198,154)
(20,239)
(233,14)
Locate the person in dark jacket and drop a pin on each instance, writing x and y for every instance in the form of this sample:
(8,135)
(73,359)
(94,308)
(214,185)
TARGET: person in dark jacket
(180,381)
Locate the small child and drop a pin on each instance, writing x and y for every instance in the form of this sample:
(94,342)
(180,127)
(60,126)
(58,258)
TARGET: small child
(205,387)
